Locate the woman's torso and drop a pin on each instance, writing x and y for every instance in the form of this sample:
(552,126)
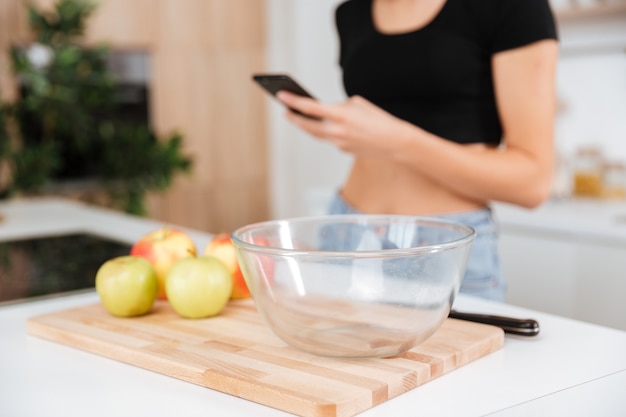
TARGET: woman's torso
(435,73)
(379,185)
(428,62)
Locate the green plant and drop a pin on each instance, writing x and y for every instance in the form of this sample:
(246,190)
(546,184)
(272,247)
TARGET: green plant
(67,113)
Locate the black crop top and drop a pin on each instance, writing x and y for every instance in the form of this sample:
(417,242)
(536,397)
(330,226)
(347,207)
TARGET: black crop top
(439,77)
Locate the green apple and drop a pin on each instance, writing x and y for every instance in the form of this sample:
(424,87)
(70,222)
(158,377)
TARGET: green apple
(127,285)
(198,287)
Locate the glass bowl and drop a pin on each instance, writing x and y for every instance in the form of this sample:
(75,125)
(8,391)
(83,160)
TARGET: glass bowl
(354,286)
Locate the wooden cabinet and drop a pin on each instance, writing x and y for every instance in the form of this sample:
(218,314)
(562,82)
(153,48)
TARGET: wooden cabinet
(202,53)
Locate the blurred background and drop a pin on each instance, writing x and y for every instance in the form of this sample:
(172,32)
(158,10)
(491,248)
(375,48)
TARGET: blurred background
(185,68)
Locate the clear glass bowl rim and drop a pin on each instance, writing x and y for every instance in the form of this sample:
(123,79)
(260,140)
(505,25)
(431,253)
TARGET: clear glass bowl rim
(363,219)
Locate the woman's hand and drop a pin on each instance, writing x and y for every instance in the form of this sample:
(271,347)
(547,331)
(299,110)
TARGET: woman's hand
(356,126)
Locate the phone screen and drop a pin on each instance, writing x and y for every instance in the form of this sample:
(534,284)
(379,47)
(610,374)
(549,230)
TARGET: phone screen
(273,83)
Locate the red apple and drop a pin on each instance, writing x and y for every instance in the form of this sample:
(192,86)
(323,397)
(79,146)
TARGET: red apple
(222,248)
(163,248)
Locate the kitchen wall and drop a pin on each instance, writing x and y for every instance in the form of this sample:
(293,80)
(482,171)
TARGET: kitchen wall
(592,84)
(591,88)
(304,172)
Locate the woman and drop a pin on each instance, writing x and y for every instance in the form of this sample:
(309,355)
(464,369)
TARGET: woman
(451,106)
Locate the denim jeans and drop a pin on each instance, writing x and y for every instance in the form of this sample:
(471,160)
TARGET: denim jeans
(483,275)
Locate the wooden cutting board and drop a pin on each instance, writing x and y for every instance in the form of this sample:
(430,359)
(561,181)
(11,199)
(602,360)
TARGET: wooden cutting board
(236,353)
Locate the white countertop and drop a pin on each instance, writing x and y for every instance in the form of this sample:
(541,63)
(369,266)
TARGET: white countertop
(24,218)
(598,220)
(569,369)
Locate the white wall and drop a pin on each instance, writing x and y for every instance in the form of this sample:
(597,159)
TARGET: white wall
(592,85)
(303,43)
(305,172)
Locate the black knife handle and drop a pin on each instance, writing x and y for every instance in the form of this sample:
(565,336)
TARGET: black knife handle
(522,327)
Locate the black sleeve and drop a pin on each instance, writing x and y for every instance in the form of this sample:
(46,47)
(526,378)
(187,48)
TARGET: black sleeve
(521,22)
(341,13)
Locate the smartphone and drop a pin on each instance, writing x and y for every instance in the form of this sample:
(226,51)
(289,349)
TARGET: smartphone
(273,83)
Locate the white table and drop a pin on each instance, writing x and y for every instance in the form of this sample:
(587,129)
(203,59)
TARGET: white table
(572,368)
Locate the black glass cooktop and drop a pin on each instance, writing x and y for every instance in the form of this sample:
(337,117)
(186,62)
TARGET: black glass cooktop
(55,265)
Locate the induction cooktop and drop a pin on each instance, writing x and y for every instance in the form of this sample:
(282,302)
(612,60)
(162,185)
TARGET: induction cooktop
(53,265)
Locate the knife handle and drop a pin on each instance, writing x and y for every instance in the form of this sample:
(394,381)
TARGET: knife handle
(522,327)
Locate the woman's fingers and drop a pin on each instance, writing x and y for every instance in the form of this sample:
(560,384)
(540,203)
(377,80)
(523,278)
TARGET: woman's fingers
(321,128)
(354,126)
(304,105)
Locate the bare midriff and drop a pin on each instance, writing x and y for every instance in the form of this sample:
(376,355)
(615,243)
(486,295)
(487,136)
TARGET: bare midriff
(383,187)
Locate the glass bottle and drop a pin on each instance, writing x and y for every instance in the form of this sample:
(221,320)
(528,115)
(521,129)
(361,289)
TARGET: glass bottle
(614,180)
(587,168)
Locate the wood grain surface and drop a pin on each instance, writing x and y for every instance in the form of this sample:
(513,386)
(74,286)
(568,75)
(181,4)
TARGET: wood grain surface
(236,353)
